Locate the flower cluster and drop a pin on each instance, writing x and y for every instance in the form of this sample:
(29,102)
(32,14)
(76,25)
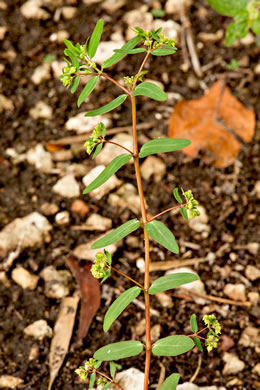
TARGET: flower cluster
(102,381)
(155,39)
(191,204)
(214,331)
(96,137)
(67,74)
(88,367)
(101,268)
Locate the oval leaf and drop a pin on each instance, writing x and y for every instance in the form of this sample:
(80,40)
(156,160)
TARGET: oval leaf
(118,56)
(97,151)
(151,90)
(119,305)
(161,234)
(172,346)
(112,168)
(107,385)
(95,38)
(193,323)
(184,213)
(92,380)
(198,343)
(117,234)
(75,84)
(171,382)
(171,281)
(121,350)
(86,91)
(73,58)
(176,195)
(132,51)
(228,7)
(108,107)
(71,47)
(163,52)
(163,145)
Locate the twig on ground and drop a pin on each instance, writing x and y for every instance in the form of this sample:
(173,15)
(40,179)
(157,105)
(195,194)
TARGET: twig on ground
(194,376)
(161,377)
(166,265)
(218,299)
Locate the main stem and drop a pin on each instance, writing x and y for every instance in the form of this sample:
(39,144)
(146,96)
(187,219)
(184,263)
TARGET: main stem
(148,346)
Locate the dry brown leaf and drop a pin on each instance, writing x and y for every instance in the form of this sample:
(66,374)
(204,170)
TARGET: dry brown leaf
(62,334)
(217,123)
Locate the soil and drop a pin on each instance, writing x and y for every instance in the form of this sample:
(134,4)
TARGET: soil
(23,190)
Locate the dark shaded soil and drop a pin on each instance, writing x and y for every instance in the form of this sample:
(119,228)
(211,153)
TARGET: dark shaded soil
(23,190)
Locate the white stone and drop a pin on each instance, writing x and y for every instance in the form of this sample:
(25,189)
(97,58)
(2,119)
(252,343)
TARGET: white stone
(85,252)
(41,111)
(41,73)
(6,104)
(253,247)
(250,337)
(257,71)
(164,299)
(112,6)
(106,50)
(248,40)
(77,170)
(24,278)
(126,197)
(68,12)
(67,187)
(32,10)
(3,31)
(38,329)
(196,286)
(153,166)
(256,369)
(174,6)
(110,151)
(10,382)
(252,273)
(56,282)
(59,36)
(15,157)
(25,232)
(200,224)
(98,223)
(105,188)
(192,386)
(82,124)
(254,297)
(170,29)
(131,379)
(40,158)
(49,208)
(57,67)
(155,332)
(235,291)
(233,364)
(138,17)
(62,218)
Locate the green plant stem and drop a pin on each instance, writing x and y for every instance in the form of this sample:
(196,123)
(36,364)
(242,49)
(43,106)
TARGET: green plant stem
(126,276)
(166,211)
(148,346)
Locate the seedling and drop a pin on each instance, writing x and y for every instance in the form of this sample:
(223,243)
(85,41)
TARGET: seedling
(246,14)
(81,64)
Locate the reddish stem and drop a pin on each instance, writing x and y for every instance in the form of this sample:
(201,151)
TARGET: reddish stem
(128,277)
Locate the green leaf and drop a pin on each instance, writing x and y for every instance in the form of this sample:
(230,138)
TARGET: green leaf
(119,305)
(198,343)
(193,323)
(161,234)
(121,350)
(171,382)
(117,234)
(184,213)
(176,195)
(75,84)
(231,34)
(112,168)
(118,56)
(95,38)
(171,281)
(98,364)
(108,107)
(107,385)
(113,367)
(73,58)
(132,51)
(106,275)
(71,47)
(172,346)
(163,145)
(151,90)
(92,380)
(256,25)
(97,151)
(163,52)
(86,91)
(228,7)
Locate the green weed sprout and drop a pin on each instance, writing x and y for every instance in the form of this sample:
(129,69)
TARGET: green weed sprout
(80,63)
(246,15)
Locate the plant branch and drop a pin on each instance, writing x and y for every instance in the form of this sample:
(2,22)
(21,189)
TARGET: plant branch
(115,82)
(126,276)
(109,379)
(115,143)
(140,70)
(166,211)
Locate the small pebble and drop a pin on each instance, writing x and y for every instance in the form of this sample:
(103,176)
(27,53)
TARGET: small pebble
(233,365)
(39,330)
(67,187)
(68,12)
(10,382)
(41,73)
(24,278)
(236,292)
(56,282)
(62,218)
(80,207)
(49,209)
(252,273)
(98,223)
(41,111)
